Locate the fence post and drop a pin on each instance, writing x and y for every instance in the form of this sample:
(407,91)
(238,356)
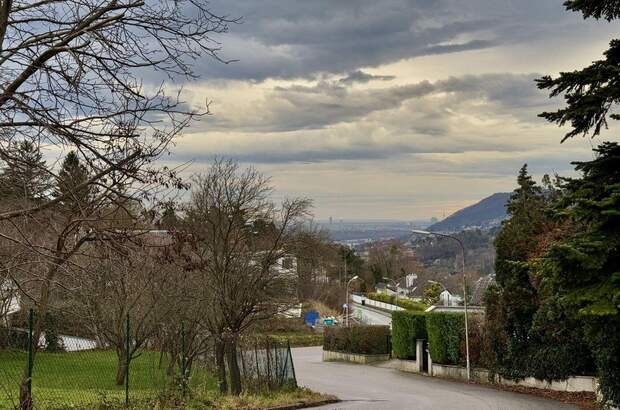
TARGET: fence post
(128,355)
(183,360)
(30,351)
(290,354)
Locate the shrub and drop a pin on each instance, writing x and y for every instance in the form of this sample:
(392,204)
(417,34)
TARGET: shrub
(445,331)
(407,327)
(391,299)
(13,339)
(357,339)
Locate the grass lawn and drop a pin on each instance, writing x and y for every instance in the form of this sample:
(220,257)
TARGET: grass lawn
(86,380)
(61,380)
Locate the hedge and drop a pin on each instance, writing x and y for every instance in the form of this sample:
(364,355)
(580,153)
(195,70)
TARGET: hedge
(407,327)
(357,339)
(391,299)
(445,332)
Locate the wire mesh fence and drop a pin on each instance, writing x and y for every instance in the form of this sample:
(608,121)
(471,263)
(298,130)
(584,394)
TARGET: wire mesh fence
(74,370)
(266,364)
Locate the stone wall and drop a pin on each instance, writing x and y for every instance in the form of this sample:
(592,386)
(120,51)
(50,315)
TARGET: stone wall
(329,356)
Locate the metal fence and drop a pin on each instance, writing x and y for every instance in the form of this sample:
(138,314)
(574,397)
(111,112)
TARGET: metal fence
(266,364)
(72,371)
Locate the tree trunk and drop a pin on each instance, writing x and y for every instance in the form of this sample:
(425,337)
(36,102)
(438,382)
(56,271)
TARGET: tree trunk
(25,398)
(120,369)
(221,366)
(233,366)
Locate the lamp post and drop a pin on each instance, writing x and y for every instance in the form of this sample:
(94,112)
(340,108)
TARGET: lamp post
(464,289)
(347,298)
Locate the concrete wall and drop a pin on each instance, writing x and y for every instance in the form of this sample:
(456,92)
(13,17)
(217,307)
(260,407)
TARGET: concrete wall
(329,356)
(572,384)
(374,303)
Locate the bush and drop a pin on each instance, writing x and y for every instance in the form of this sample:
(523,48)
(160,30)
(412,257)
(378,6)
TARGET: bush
(13,339)
(357,339)
(445,332)
(407,327)
(391,299)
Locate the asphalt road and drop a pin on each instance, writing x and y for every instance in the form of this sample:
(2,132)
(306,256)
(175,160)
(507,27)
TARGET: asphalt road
(372,387)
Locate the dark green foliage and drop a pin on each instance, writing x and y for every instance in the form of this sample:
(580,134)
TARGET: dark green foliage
(70,178)
(53,342)
(24,173)
(589,93)
(445,332)
(584,268)
(357,339)
(513,303)
(607,9)
(407,327)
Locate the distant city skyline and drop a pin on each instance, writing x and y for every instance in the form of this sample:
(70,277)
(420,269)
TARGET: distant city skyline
(400,109)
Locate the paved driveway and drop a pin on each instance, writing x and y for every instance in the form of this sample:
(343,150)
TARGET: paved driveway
(371,387)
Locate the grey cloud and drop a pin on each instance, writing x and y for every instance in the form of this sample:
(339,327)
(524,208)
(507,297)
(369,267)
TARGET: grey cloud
(300,38)
(359,76)
(330,102)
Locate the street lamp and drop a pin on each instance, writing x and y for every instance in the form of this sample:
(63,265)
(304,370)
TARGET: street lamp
(347,298)
(464,288)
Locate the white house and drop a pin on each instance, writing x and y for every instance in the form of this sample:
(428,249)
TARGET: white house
(9,299)
(448,299)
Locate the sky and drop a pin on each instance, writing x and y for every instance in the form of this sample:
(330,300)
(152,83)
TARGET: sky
(391,109)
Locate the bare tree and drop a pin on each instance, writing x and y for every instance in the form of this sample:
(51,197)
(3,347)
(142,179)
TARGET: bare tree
(127,283)
(236,237)
(70,75)
(71,79)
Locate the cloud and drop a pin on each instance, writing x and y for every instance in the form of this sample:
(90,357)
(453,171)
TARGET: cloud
(359,76)
(325,103)
(299,39)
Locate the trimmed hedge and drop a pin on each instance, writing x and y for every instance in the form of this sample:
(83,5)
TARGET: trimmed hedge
(391,299)
(407,327)
(445,332)
(357,339)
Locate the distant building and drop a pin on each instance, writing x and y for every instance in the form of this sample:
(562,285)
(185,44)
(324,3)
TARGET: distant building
(446,298)
(9,300)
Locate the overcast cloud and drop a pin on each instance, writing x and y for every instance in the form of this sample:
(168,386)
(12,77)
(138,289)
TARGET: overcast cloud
(390,109)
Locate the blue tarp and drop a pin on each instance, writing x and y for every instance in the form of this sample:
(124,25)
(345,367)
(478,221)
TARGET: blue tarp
(311,317)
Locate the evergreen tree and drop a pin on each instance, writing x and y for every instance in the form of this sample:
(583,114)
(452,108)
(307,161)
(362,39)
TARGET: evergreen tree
(24,175)
(584,267)
(590,93)
(511,310)
(72,174)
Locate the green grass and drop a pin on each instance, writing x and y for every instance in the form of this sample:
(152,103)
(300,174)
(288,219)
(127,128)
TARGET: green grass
(78,379)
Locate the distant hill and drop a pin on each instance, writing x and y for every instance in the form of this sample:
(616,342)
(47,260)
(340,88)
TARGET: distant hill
(485,214)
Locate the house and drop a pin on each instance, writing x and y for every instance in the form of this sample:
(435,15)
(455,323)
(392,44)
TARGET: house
(9,300)
(447,298)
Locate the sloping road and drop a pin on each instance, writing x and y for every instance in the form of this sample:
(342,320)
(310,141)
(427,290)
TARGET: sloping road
(372,387)
(370,316)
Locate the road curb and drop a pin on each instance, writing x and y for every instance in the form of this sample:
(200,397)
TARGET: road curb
(304,405)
